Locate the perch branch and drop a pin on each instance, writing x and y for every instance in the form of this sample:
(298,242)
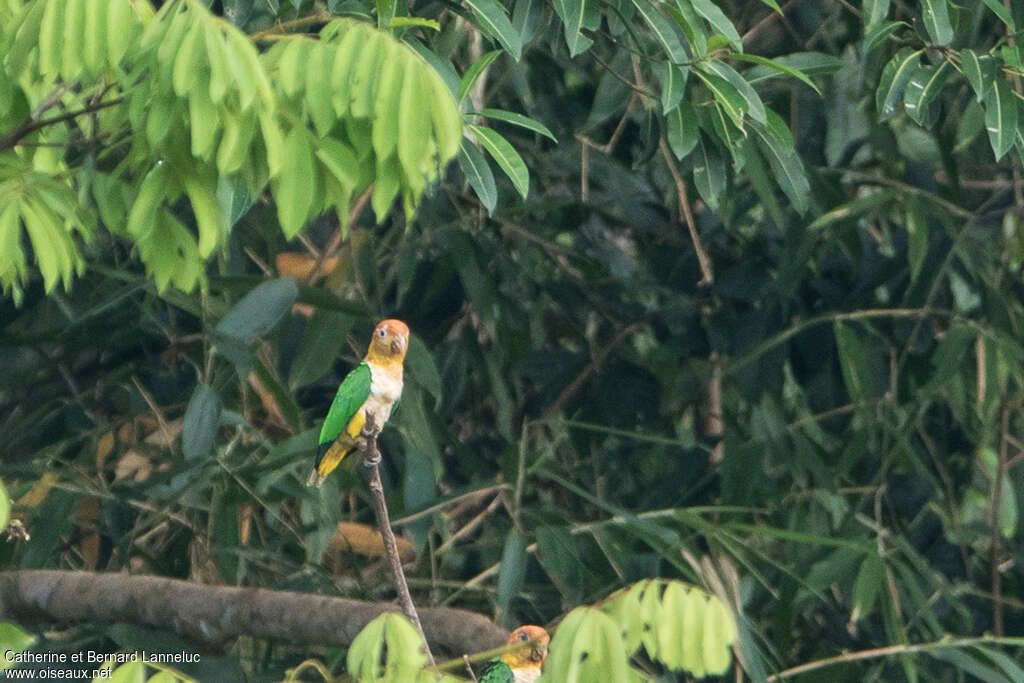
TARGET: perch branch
(371,460)
(213,616)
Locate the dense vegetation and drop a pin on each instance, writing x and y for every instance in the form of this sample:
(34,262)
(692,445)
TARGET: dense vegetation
(721,292)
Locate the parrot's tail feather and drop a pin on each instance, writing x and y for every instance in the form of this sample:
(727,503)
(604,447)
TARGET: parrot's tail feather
(315,479)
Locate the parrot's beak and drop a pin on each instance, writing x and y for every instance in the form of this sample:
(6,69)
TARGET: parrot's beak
(539,652)
(398,344)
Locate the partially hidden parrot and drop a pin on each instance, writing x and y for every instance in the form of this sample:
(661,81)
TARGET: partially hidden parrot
(528,648)
(371,389)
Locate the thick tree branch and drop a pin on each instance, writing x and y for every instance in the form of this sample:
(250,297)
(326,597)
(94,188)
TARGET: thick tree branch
(213,616)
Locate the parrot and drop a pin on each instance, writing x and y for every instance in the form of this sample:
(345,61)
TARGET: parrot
(372,389)
(528,648)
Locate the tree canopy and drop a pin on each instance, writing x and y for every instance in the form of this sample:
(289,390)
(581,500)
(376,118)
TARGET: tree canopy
(716,313)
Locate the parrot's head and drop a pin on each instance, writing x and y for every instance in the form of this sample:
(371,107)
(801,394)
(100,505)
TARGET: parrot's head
(528,647)
(390,342)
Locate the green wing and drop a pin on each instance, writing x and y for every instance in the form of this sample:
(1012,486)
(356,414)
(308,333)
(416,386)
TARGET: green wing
(497,671)
(351,396)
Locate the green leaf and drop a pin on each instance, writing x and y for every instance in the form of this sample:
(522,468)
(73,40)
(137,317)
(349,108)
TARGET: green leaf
(852,209)
(518,120)
(493,21)
(893,82)
(13,639)
(320,342)
(777,145)
(200,424)
(721,23)
(5,508)
(876,35)
(917,238)
(572,13)
(506,156)
(936,21)
(709,173)
(474,72)
(980,72)
(421,366)
(672,79)
(867,587)
(947,360)
(1001,118)
(875,11)
(683,131)
(726,96)
(387,649)
(755,108)
(692,26)
(663,29)
(478,173)
(853,359)
(922,89)
(969,665)
(259,310)
(587,647)
(778,66)
(1000,10)
(295,187)
(512,575)
(559,554)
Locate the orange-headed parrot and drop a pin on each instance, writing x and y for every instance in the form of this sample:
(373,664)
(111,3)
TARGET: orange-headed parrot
(528,648)
(371,389)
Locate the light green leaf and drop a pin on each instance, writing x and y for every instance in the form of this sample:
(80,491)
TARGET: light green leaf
(493,21)
(478,173)
(587,647)
(12,638)
(5,514)
(917,237)
(213,224)
(1001,118)
(853,359)
(866,587)
(506,156)
(295,187)
(851,209)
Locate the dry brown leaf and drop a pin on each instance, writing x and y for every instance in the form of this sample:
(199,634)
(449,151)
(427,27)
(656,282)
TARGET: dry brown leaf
(366,540)
(88,511)
(37,494)
(89,547)
(104,447)
(299,265)
(133,464)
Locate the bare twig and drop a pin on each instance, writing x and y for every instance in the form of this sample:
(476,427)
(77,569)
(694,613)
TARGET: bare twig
(706,272)
(371,460)
(997,538)
(469,668)
(29,126)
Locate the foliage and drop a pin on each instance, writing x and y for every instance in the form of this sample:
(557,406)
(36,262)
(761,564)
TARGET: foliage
(753,322)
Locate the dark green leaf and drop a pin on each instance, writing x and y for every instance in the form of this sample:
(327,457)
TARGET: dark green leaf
(875,36)
(259,310)
(474,71)
(775,67)
(1000,10)
(572,13)
(709,173)
(492,20)
(1001,108)
(875,11)
(672,79)
(726,96)
(559,554)
(664,30)
(683,131)
(512,574)
(478,173)
(721,23)
(200,426)
(893,83)
(922,89)
(853,360)
(506,156)
(980,72)
(936,21)
(755,108)
(518,120)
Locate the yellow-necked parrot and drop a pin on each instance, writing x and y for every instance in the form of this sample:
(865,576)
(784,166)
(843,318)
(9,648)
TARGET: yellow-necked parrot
(371,389)
(528,648)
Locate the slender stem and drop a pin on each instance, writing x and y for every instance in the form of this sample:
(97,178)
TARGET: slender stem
(371,460)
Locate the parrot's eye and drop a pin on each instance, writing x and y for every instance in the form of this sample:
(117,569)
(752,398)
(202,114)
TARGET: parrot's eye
(523,636)
(382,333)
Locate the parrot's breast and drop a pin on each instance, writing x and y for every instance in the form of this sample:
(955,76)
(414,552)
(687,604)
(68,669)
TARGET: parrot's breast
(385,389)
